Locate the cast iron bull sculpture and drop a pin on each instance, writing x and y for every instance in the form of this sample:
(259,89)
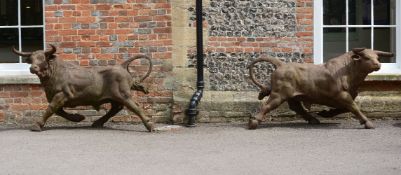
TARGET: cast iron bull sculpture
(334,84)
(69,85)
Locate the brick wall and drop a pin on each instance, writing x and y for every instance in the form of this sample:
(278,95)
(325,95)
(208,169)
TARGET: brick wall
(241,31)
(100,33)
(17,102)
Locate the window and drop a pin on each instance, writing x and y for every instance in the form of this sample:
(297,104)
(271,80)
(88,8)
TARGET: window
(22,26)
(341,25)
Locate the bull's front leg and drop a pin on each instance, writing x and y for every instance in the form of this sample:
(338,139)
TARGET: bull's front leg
(346,101)
(70,117)
(56,103)
(115,108)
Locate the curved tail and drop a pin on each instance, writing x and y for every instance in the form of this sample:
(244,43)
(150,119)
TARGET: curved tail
(126,63)
(264,89)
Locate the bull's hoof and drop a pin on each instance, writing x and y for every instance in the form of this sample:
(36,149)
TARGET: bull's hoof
(253,124)
(313,121)
(369,125)
(149,126)
(36,128)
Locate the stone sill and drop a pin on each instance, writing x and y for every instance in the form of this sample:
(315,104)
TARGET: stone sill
(19,79)
(232,106)
(384,77)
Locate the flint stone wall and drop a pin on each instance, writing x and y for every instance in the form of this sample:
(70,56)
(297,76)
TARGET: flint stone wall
(256,18)
(247,30)
(229,72)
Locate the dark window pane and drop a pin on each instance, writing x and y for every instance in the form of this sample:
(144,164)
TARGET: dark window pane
(8,39)
(334,12)
(32,39)
(359,12)
(8,12)
(385,39)
(384,11)
(31,12)
(359,37)
(333,42)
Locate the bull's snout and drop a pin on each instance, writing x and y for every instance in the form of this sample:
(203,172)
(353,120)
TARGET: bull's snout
(377,66)
(34,69)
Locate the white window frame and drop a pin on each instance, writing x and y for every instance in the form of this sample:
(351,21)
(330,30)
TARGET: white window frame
(387,68)
(21,68)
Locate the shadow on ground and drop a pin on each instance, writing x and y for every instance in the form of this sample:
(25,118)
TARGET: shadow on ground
(131,128)
(301,125)
(397,125)
(296,125)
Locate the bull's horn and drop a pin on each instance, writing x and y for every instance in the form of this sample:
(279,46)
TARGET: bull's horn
(51,51)
(24,54)
(357,50)
(384,54)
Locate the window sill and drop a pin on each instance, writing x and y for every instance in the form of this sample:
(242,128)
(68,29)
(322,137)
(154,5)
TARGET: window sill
(19,79)
(384,77)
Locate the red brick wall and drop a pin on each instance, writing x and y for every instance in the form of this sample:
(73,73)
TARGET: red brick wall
(305,27)
(109,32)
(91,33)
(18,101)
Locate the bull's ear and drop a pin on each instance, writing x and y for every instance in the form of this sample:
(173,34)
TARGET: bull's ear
(50,53)
(356,57)
(358,50)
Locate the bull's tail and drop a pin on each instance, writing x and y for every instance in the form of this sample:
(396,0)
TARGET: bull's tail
(126,63)
(264,89)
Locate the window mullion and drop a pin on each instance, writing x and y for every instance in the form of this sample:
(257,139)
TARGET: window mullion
(346,26)
(19,29)
(372,19)
(43,25)
(398,29)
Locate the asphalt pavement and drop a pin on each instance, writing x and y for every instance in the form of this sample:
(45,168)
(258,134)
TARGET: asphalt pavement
(293,148)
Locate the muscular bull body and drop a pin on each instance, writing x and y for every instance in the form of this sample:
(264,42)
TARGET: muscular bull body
(334,84)
(68,85)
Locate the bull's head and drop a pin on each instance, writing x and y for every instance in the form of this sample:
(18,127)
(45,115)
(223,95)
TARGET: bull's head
(368,59)
(39,59)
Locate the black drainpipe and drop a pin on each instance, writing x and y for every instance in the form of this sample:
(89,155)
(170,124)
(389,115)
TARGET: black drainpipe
(200,84)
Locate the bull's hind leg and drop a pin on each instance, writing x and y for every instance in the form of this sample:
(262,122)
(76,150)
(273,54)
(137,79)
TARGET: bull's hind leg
(56,103)
(70,117)
(121,93)
(299,109)
(272,103)
(130,104)
(115,108)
